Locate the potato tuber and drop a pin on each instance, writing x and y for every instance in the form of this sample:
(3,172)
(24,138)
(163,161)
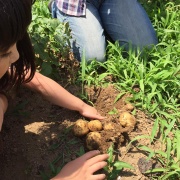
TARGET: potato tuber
(108,126)
(127,120)
(93,140)
(95,125)
(80,127)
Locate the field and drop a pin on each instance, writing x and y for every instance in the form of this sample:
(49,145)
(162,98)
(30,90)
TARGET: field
(37,135)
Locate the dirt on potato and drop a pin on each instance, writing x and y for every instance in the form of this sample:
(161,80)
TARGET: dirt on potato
(35,133)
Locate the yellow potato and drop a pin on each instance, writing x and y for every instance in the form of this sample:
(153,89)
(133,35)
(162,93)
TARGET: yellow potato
(127,120)
(108,126)
(80,127)
(95,125)
(93,140)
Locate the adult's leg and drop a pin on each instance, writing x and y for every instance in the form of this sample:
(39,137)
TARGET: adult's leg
(127,22)
(87,34)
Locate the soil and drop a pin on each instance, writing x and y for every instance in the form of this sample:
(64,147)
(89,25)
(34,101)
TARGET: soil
(37,135)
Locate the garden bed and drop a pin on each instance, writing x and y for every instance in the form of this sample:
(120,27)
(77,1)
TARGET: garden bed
(36,134)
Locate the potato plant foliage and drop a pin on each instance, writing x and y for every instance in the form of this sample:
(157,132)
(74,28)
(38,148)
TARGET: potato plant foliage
(50,39)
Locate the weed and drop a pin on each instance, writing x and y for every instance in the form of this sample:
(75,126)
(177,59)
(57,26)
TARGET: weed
(65,144)
(114,167)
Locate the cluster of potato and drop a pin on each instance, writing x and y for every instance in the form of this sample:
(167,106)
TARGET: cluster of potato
(83,127)
(92,129)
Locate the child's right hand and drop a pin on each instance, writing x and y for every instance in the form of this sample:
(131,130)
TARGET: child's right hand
(84,167)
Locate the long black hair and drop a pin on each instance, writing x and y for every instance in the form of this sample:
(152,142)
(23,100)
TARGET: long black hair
(15,17)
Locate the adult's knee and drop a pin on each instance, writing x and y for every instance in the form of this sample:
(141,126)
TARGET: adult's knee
(89,52)
(90,48)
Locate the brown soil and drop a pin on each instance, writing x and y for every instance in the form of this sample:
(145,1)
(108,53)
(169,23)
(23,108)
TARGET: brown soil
(35,135)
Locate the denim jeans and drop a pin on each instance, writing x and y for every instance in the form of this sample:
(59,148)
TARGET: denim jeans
(124,21)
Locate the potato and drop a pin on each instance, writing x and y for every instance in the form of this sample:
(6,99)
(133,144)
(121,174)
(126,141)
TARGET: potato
(95,125)
(129,107)
(93,140)
(108,126)
(80,127)
(127,120)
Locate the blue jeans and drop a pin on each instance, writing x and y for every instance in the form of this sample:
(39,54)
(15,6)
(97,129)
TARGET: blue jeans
(124,21)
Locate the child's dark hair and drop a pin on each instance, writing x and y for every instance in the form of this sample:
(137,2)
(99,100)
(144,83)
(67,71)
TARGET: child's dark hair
(15,17)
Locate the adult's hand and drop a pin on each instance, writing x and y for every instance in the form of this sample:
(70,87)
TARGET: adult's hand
(84,167)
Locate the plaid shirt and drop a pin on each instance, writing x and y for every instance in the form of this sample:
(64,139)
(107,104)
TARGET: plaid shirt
(72,7)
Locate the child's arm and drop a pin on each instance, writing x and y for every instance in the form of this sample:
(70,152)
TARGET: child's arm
(61,97)
(3,108)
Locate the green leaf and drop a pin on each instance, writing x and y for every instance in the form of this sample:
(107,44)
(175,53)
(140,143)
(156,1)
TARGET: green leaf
(110,152)
(141,83)
(145,148)
(155,170)
(46,68)
(154,129)
(119,96)
(168,151)
(120,165)
(178,145)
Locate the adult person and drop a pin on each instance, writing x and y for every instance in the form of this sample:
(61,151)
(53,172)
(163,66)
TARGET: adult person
(17,68)
(124,21)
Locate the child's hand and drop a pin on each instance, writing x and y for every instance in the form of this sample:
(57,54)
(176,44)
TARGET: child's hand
(90,112)
(84,167)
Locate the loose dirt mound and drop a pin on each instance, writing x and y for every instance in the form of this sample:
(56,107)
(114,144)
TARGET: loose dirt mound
(37,134)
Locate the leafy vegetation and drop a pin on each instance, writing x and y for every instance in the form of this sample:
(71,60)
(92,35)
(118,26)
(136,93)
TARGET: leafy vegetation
(65,152)
(50,39)
(156,75)
(114,166)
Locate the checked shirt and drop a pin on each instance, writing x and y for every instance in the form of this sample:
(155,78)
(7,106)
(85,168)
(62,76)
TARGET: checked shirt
(72,7)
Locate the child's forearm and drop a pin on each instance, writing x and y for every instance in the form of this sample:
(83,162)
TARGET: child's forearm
(56,94)
(53,92)
(3,107)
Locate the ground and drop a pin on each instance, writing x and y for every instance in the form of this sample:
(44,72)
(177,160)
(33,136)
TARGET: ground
(35,135)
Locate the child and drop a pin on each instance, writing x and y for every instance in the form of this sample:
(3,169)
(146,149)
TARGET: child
(17,68)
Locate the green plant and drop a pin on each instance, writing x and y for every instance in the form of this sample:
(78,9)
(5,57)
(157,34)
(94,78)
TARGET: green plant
(65,144)
(50,39)
(168,155)
(114,167)
(169,158)
(153,79)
